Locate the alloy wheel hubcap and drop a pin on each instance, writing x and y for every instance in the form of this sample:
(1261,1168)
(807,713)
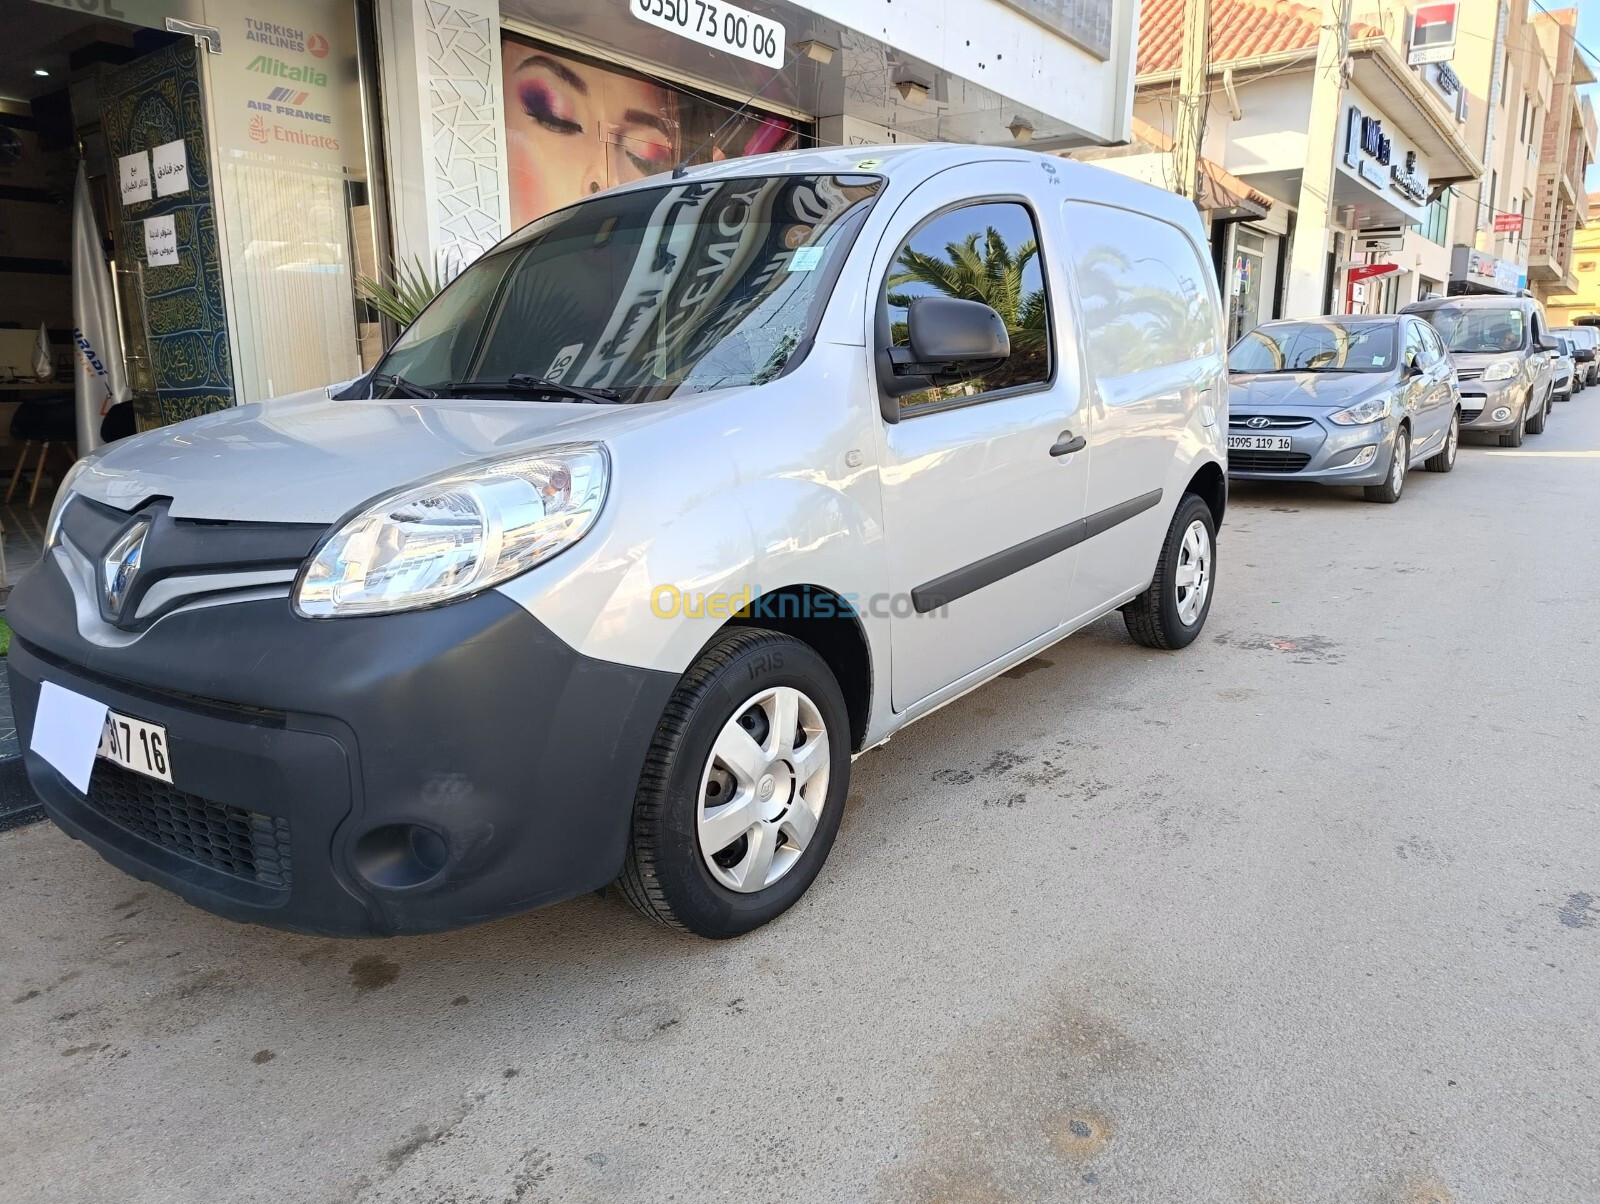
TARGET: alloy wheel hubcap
(1397,470)
(763,789)
(1193,578)
(1454,438)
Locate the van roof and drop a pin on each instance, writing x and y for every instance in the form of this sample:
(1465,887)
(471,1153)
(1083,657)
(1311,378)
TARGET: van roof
(925,159)
(1472,301)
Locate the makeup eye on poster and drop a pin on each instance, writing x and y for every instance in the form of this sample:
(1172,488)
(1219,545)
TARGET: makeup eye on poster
(170,164)
(133,171)
(575,126)
(160,241)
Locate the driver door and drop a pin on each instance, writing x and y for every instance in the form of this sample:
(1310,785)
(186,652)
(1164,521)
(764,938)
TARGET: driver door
(983,482)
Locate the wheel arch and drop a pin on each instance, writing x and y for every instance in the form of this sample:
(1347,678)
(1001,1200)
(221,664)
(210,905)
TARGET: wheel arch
(1210,484)
(829,623)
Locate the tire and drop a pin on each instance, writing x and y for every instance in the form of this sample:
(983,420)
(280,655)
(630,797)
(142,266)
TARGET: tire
(1394,483)
(666,874)
(1513,437)
(1536,423)
(1157,617)
(1444,459)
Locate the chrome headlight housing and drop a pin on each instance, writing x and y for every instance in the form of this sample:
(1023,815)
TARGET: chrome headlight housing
(1500,370)
(52,526)
(455,534)
(1374,409)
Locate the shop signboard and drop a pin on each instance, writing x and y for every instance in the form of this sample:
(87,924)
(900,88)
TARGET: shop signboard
(1084,22)
(719,25)
(1372,154)
(1433,33)
(1508,223)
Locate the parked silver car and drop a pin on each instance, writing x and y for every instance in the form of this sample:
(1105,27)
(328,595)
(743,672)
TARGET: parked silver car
(1500,346)
(1563,368)
(1585,342)
(1345,400)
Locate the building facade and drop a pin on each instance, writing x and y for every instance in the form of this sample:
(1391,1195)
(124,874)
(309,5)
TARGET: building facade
(1583,300)
(326,141)
(1561,201)
(1359,179)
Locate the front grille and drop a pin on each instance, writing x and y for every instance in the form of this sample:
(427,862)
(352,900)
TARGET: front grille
(1468,373)
(1275,422)
(1268,461)
(1471,415)
(228,839)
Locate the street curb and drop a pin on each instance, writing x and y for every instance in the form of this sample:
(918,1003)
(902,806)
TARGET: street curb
(18,803)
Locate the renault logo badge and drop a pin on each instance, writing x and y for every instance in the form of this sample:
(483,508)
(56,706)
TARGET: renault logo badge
(121,566)
(1258,422)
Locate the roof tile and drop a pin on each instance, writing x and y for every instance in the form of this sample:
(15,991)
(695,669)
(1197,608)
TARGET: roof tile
(1240,29)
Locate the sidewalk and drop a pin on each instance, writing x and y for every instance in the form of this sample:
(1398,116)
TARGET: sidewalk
(24,536)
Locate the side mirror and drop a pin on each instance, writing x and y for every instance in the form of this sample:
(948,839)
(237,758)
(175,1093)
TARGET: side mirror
(950,340)
(1414,368)
(1547,345)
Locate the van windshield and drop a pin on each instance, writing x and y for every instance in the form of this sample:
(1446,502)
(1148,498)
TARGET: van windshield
(642,294)
(1315,347)
(1477,329)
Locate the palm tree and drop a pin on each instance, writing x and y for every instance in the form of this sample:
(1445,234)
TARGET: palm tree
(993,275)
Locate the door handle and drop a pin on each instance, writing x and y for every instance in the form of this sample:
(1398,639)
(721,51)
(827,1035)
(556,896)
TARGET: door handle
(1068,443)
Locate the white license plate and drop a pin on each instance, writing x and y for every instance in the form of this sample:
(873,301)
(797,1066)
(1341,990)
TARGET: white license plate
(136,745)
(1260,443)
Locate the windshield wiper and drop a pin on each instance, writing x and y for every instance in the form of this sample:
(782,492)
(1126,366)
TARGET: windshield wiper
(401,385)
(526,382)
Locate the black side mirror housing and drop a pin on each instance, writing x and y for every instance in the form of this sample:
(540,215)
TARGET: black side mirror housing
(1547,345)
(951,340)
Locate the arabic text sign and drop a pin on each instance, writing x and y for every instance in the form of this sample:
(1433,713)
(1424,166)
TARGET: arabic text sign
(171,162)
(134,173)
(160,241)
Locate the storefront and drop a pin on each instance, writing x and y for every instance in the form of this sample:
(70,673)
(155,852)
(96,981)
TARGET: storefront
(225,162)
(1476,272)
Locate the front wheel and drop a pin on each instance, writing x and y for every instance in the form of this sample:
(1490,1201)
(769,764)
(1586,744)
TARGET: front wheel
(743,788)
(1394,484)
(1444,459)
(1536,422)
(1172,611)
(1513,437)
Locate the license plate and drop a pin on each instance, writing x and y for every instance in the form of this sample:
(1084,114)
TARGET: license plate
(1260,443)
(136,745)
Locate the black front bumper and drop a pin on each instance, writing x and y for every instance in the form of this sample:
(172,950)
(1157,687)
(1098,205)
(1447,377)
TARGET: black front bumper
(350,777)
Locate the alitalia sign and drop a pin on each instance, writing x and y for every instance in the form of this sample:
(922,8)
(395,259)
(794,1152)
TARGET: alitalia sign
(279,69)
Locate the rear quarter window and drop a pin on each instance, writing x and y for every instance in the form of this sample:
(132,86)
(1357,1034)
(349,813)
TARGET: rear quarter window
(1147,295)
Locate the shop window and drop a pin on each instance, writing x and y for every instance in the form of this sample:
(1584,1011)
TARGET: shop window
(575,126)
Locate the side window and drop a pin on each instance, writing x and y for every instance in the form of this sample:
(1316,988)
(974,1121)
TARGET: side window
(1146,296)
(987,252)
(1416,351)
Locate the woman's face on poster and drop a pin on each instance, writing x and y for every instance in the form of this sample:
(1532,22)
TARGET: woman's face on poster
(574,129)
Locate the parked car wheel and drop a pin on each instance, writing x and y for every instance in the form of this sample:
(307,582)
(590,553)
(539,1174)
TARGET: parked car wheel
(1536,423)
(743,788)
(1172,611)
(1444,459)
(1513,437)
(1395,483)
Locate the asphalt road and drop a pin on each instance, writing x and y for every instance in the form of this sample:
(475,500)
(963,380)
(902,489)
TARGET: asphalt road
(1307,913)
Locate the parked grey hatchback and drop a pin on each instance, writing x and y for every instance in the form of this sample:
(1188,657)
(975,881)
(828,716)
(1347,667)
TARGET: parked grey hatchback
(1342,400)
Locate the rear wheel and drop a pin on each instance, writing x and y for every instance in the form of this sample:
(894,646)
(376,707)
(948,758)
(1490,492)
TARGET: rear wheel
(1444,459)
(1172,611)
(1395,483)
(743,788)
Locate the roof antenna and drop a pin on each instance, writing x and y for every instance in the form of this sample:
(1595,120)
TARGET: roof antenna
(814,50)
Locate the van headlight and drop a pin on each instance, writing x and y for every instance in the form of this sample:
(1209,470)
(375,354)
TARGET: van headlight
(1374,409)
(455,534)
(1500,370)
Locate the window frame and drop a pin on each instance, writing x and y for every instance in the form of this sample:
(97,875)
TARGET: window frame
(882,329)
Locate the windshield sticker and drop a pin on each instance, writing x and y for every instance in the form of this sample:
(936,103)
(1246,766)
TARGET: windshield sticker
(806,259)
(868,164)
(1379,361)
(563,362)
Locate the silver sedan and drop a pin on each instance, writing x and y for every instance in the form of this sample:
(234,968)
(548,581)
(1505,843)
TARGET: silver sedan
(1343,400)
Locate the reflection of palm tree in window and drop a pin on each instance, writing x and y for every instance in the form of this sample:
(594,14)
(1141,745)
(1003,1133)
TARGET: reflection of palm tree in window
(995,275)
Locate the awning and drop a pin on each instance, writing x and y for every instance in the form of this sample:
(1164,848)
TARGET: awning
(1224,196)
